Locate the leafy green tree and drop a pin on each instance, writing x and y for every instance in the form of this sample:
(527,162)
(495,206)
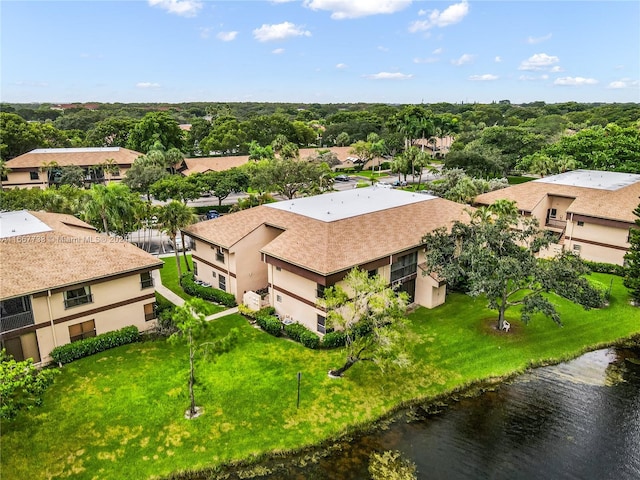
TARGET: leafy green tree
(71,175)
(110,132)
(193,330)
(22,385)
(172,218)
(495,255)
(224,183)
(17,136)
(155,127)
(144,172)
(257,153)
(370,313)
(290,177)
(342,139)
(4,171)
(632,260)
(176,187)
(226,135)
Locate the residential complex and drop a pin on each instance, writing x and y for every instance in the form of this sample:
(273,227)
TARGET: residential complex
(40,168)
(291,251)
(591,212)
(60,281)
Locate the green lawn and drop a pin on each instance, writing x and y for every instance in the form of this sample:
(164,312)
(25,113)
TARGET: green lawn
(169,276)
(517,180)
(119,414)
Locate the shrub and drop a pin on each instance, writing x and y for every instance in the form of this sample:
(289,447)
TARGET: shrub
(600,267)
(88,346)
(206,293)
(269,324)
(334,339)
(300,333)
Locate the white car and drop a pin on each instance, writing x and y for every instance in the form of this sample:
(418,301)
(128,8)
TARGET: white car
(383,185)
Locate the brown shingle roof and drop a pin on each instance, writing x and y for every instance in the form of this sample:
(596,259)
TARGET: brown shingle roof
(73,156)
(609,204)
(329,247)
(71,253)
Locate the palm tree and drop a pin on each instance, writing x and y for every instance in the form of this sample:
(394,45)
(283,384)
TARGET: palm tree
(112,204)
(173,217)
(48,168)
(109,167)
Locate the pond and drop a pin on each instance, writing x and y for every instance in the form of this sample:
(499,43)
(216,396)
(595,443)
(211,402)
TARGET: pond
(576,420)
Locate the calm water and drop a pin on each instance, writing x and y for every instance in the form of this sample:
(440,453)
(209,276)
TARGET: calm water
(578,420)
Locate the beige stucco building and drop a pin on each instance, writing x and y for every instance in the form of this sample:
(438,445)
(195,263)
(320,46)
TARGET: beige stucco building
(591,212)
(37,168)
(61,281)
(292,250)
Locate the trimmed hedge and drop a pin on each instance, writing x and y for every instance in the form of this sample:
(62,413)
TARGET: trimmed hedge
(610,268)
(301,334)
(270,324)
(206,293)
(334,339)
(88,346)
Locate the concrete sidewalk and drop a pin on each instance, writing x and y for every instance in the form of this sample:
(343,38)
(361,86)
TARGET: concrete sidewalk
(176,300)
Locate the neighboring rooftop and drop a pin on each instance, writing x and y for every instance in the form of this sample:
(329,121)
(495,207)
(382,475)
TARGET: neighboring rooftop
(73,156)
(60,250)
(13,224)
(335,206)
(598,179)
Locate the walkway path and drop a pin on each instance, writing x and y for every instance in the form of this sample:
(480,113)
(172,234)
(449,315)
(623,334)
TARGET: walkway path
(176,300)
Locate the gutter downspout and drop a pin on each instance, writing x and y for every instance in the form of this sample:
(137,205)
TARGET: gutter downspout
(53,328)
(571,234)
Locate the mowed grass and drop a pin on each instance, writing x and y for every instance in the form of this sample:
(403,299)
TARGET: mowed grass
(170,279)
(119,414)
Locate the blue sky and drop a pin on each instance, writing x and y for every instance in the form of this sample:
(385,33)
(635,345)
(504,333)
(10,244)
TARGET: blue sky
(320,51)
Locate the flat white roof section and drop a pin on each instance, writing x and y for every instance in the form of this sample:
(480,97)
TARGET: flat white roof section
(21,222)
(331,207)
(593,179)
(76,150)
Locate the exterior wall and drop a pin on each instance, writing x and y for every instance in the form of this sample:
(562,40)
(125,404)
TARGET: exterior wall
(294,297)
(428,292)
(246,260)
(598,243)
(561,204)
(116,304)
(22,179)
(210,268)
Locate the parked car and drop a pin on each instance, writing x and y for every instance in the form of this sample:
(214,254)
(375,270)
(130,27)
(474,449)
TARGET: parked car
(383,185)
(400,183)
(211,214)
(342,178)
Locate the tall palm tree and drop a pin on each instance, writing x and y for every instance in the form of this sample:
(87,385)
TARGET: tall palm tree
(112,204)
(110,168)
(173,217)
(4,170)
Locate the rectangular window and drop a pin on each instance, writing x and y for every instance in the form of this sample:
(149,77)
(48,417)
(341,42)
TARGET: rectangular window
(77,296)
(82,330)
(576,248)
(580,224)
(321,324)
(219,253)
(222,283)
(553,213)
(34,175)
(278,269)
(192,242)
(320,291)
(150,311)
(373,273)
(213,274)
(195,268)
(146,280)
(279,298)
(403,267)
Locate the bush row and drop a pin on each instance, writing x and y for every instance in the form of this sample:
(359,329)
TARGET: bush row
(301,334)
(206,293)
(610,268)
(88,346)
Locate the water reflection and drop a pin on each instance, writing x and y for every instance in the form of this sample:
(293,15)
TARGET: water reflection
(577,420)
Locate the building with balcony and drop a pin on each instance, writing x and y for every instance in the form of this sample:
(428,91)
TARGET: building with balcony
(294,249)
(40,168)
(61,281)
(590,212)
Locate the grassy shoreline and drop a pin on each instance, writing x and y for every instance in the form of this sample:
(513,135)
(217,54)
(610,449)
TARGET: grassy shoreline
(94,424)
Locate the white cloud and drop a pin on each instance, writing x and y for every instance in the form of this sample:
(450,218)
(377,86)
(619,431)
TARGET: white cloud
(184,8)
(538,61)
(227,36)
(449,16)
(556,69)
(535,40)
(341,66)
(426,60)
(498,59)
(147,85)
(389,76)
(382,49)
(623,83)
(280,31)
(575,81)
(483,78)
(277,51)
(465,58)
(342,9)
(437,51)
